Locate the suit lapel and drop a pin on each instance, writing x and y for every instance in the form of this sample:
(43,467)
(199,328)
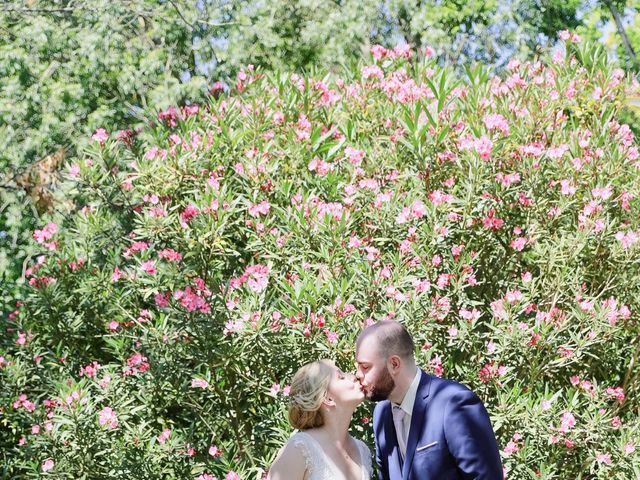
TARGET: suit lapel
(417,422)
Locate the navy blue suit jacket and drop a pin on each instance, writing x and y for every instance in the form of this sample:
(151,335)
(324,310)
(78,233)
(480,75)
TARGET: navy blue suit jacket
(451,437)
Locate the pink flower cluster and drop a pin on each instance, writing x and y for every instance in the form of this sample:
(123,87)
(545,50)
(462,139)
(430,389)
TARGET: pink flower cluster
(170,255)
(100,136)
(24,402)
(90,370)
(199,383)
(400,51)
(194,298)
(136,363)
(616,392)
(43,236)
(135,248)
(108,417)
(255,276)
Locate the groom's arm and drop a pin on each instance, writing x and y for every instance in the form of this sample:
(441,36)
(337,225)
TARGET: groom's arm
(470,437)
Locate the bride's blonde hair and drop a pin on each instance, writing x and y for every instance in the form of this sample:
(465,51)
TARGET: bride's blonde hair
(308,389)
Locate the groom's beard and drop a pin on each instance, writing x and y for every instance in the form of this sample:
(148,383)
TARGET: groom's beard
(382,387)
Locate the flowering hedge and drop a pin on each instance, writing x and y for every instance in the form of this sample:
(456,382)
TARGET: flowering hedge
(213,253)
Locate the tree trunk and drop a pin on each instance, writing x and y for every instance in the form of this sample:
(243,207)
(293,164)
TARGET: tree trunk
(625,40)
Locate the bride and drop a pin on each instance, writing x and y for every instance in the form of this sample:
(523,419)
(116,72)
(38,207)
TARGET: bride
(322,401)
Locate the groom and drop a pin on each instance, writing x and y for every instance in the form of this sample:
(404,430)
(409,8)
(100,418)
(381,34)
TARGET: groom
(425,427)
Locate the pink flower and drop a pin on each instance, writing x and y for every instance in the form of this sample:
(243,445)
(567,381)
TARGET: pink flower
(257,277)
(232,476)
(108,417)
(629,448)
(90,370)
(558,152)
(275,389)
(470,315)
(332,337)
(164,436)
(628,239)
(513,296)
(149,267)
(258,209)
(319,166)
(617,393)
(603,193)
(199,383)
(170,255)
(558,56)
(491,222)
(567,422)
(100,136)
(498,310)
(47,465)
(604,458)
(483,146)
(116,275)
(519,243)
(74,170)
(170,116)
(418,209)
(370,71)
(511,448)
(438,198)
(496,122)
(206,476)
(42,236)
(187,214)
(378,52)
(507,179)
(136,363)
(354,156)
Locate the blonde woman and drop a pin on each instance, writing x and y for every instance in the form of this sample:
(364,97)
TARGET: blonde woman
(323,399)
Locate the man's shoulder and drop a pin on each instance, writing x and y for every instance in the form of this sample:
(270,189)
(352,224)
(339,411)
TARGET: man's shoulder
(447,387)
(380,407)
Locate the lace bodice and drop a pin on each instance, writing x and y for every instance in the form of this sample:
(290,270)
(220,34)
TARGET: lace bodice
(319,466)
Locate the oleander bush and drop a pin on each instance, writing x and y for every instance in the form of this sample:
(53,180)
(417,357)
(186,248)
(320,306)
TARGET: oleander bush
(210,255)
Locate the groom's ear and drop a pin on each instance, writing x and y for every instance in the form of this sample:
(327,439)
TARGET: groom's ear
(394,363)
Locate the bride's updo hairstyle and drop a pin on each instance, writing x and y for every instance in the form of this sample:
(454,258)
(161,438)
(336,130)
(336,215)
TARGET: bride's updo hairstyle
(306,395)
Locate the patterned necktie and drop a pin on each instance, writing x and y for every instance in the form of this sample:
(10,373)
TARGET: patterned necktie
(398,421)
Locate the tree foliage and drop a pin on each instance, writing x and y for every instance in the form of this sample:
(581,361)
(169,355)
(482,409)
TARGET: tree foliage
(206,258)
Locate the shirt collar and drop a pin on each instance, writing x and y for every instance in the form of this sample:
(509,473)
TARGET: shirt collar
(410,396)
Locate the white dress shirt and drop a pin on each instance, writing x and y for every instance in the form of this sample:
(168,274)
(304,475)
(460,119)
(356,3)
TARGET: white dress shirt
(407,407)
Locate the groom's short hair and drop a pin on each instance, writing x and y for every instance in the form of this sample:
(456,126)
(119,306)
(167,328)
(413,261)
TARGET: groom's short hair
(391,337)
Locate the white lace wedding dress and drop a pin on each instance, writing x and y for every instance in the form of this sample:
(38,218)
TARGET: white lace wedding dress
(319,466)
